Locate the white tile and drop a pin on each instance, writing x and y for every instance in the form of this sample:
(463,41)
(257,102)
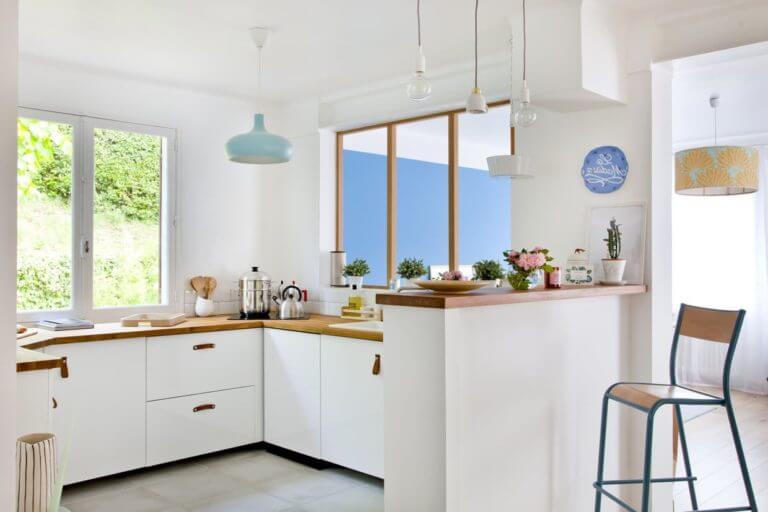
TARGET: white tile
(240,501)
(192,487)
(259,468)
(304,487)
(97,488)
(355,499)
(131,500)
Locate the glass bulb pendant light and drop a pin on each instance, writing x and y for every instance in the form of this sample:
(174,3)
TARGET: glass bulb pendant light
(524,114)
(476,103)
(258,146)
(419,88)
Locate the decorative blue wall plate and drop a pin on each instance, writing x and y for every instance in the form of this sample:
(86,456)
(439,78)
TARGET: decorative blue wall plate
(605,169)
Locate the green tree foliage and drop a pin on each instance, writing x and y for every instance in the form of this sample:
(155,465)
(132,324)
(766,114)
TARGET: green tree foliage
(128,174)
(127,202)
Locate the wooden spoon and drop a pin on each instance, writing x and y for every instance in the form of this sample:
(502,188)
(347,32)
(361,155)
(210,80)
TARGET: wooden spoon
(211,284)
(198,284)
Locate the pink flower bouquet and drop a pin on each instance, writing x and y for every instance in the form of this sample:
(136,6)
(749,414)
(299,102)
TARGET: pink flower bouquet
(452,275)
(525,263)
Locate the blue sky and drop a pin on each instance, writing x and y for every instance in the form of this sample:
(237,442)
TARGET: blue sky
(422,202)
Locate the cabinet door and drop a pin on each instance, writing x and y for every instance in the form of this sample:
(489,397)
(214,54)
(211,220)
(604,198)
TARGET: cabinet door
(33,402)
(292,391)
(101,407)
(353,404)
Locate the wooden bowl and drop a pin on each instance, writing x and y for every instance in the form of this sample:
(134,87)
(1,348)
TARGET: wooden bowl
(451,287)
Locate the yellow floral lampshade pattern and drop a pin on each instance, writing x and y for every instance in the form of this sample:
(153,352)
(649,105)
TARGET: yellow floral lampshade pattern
(716,170)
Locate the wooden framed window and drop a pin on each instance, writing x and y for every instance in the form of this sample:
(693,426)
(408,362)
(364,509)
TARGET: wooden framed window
(420,188)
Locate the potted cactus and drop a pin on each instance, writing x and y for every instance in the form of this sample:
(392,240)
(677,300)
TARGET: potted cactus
(613,265)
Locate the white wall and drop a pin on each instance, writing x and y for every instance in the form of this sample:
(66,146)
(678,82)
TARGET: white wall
(220,223)
(739,76)
(8,58)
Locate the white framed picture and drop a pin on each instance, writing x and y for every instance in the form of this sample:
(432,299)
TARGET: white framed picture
(632,221)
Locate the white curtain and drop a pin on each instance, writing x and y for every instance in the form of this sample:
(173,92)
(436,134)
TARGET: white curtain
(720,260)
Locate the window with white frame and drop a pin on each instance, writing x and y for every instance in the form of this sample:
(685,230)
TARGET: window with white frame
(95,217)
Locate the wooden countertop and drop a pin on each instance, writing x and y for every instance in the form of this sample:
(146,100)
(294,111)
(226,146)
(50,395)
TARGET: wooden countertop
(30,360)
(316,324)
(498,296)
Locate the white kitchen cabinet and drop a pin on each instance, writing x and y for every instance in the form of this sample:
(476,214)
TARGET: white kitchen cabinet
(186,364)
(100,411)
(33,399)
(183,427)
(353,404)
(292,391)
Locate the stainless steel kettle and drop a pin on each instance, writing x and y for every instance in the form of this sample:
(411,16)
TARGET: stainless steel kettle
(290,304)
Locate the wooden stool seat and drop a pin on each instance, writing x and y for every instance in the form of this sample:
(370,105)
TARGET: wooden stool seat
(647,396)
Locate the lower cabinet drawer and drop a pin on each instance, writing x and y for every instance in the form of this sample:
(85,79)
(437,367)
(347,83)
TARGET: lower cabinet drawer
(193,425)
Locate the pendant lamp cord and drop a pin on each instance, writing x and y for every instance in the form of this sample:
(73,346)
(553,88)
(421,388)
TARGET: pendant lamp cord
(525,43)
(258,78)
(418,20)
(477,6)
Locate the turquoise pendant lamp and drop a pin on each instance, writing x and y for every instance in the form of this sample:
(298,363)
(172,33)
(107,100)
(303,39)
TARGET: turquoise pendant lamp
(258,146)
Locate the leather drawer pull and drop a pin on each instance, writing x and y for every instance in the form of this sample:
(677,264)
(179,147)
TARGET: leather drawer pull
(55,403)
(377,365)
(204,407)
(64,368)
(204,346)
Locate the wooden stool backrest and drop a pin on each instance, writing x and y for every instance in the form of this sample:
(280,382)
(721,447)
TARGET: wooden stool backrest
(721,326)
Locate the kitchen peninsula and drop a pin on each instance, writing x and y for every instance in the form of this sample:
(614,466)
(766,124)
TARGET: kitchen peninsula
(493,397)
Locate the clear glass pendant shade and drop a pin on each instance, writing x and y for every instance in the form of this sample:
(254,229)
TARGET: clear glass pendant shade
(419,88)
(525,115)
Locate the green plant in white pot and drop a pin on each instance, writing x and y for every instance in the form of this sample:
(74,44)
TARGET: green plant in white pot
(410,269)
(488,270)
(613,265)
(355,271)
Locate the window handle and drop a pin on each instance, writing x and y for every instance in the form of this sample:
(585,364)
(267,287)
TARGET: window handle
(85,248)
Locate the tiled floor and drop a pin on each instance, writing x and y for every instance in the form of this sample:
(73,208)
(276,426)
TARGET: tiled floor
(246,480)
(713,457)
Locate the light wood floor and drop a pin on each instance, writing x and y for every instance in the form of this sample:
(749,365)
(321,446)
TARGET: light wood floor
(713,457)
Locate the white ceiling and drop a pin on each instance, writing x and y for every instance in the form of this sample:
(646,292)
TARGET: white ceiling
(317,47)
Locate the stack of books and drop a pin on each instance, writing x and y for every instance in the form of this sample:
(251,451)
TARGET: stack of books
(65,324)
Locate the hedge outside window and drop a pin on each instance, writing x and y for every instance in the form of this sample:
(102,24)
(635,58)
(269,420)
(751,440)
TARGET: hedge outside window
(95,216)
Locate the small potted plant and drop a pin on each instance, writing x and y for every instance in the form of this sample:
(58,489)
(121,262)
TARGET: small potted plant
(613,265)
(410,269)
(488,270)
(355,271)
(526,265)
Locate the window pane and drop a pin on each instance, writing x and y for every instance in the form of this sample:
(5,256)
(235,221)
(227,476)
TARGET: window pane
(126,225)
(485,207)
(422,192)
(365,201)
(44,240)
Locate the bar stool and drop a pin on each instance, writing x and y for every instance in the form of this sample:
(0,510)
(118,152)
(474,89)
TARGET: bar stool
(695,322)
